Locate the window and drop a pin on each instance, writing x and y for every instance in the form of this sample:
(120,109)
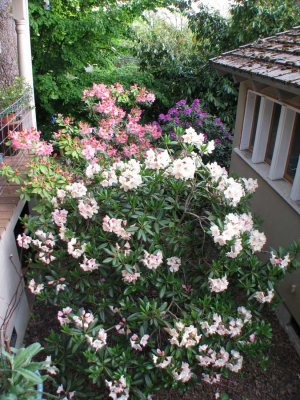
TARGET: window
(294,151)
(271,135)
(254,121)
(273,132)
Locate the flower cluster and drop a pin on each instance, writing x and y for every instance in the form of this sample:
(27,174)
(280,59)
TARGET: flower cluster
(152,261)
(184,374)
(30,140)
(88,207)
(165,361)
(118,389)
(115,225)
(99,342)
(234,229)
(234,327)
(184,336)
(118,133)
(34,287)
(218,285)
(127,174)
(174,263)
(157,160)
(182,168)
(183,116)
(45,243)
(138,344)
(279,262)
(220,359)
(191,137)
(261,297)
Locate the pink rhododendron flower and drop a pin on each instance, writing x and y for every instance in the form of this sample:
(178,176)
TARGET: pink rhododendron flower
(118,389)
(24,241)
(89,264)
(88,207)
(184,375)
(152,261)
(60,217)
(115,225)
(34,287)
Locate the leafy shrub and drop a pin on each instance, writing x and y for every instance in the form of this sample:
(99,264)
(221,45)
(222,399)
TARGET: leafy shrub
(151,261)
(183,116)
(20,377)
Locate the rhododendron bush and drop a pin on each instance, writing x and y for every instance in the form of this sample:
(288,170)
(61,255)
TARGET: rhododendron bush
(149,256)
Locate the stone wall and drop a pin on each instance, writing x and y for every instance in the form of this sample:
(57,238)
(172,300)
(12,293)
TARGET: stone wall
(8,44)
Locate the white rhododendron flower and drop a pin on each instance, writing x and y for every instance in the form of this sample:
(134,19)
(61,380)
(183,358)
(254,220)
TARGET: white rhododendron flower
(234,192)
(218,285)
(182,168)
(165,361)
(261,297)
(116,226)
(138,344)
(183,336)
(250,184)
(279,262)
(174,263)
(92,170)
(157,160)
(257,240)
(191,137)
(77,190)
(60,217)
(75,249)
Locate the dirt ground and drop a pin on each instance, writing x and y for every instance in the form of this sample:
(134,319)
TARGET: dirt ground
(281,381)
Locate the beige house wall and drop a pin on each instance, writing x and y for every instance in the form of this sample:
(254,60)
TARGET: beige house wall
(281,220)
(280,217)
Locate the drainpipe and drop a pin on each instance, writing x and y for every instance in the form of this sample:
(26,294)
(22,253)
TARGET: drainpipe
(20,13)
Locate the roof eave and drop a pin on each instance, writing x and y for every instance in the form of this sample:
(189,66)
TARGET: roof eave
(287,87)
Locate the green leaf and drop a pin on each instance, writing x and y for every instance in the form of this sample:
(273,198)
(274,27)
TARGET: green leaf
(24,355)
(30,376)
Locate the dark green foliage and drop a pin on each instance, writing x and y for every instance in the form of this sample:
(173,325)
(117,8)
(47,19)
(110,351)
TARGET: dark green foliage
(71,36)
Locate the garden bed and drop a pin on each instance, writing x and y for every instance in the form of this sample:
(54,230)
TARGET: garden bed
(281,380)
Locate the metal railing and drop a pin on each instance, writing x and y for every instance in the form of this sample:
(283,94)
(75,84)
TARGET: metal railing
(13,119)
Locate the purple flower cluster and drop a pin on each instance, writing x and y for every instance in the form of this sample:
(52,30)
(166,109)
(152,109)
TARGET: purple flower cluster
(193,115)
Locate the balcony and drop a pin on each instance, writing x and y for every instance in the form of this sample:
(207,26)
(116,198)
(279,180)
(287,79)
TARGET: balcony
(14,118)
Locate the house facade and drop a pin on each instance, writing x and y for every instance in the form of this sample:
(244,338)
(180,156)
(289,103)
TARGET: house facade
(267,140)
(15,60)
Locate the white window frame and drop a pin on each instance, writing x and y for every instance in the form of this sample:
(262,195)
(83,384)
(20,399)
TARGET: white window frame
(276,170)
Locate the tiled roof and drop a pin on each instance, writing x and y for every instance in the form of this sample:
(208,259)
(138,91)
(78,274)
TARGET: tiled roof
(276,58)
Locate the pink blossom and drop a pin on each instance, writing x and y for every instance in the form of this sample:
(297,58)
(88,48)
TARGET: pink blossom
(152,261)
(24,241)
(60,217)
(89,264)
